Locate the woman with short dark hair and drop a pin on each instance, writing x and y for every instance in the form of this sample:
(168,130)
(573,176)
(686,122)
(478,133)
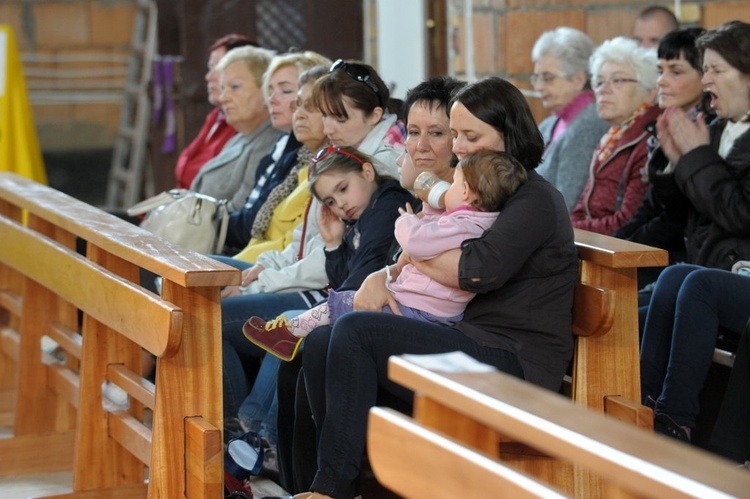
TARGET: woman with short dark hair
(523,269)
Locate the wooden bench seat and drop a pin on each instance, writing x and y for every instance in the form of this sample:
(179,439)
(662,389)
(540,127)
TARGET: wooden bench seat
(166,441)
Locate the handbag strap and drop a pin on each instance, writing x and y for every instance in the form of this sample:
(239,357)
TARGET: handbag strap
(155,201)
(304,230)
(221,207)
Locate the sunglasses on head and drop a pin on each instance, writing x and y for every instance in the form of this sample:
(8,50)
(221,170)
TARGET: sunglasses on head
(327,151)
(356,72)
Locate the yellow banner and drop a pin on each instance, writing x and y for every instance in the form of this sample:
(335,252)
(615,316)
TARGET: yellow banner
(19,145)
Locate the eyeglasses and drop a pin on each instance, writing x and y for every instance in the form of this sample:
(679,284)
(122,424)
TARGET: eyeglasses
(356,72)
(307,105)
(545,78)
(327,151)
(616,82)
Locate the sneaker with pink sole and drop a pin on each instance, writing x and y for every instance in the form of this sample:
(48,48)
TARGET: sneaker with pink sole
(272,336)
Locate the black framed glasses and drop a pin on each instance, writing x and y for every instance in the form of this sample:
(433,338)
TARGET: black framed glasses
(327,151)
(356,72)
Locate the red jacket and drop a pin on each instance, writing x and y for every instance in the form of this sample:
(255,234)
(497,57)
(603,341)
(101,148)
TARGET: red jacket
(617,186)
(210,141)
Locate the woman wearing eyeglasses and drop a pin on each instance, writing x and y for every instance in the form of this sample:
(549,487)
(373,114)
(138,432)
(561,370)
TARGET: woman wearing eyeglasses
(278,279)
(356,103)
(572,132)
(624,80)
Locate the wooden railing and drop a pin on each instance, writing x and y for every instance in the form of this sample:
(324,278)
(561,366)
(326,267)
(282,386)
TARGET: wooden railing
(450,448)
(166,441)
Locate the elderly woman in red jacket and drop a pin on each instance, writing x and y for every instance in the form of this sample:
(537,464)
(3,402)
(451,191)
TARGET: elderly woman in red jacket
(624,79)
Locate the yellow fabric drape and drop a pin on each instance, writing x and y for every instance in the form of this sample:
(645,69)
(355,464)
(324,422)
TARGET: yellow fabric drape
(19,145)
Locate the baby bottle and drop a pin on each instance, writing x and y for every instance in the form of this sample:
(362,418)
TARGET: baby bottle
(429,188)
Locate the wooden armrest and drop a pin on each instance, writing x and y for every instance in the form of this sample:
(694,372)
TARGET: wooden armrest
(615,253)
(629,412)
(593,310)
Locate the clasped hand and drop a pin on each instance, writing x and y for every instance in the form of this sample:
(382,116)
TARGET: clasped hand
(678,134)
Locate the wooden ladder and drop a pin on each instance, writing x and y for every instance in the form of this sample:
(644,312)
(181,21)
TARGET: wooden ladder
(128,172)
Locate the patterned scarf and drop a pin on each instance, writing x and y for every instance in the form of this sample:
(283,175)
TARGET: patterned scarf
(614,134)
(279,193)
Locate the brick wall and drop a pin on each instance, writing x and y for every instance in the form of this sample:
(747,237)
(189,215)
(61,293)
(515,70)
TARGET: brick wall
(75,56)
(504,31)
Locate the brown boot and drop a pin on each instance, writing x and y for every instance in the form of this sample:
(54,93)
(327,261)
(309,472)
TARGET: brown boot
(273,336)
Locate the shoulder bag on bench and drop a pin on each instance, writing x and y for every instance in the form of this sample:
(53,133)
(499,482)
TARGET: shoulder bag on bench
(187,218)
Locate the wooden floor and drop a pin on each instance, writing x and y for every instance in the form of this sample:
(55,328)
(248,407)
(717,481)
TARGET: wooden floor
(45,484)
(35,485)
(59,483)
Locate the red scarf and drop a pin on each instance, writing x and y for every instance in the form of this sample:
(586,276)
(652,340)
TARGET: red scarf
(610,139)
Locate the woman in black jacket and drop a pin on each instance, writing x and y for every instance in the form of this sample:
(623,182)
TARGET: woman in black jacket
(712,164)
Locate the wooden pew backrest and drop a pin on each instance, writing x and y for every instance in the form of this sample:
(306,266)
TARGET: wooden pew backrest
(94,307)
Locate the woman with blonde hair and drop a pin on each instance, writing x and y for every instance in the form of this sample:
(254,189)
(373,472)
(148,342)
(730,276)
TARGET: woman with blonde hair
(277,173)
(215,132)
(231,174)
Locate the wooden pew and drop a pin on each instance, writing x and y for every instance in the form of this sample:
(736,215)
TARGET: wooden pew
(166,442)
(418,458)
(606,370)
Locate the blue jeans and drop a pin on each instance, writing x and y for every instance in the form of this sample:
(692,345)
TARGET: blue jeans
(345,366)
(236,349)
(689,307)
(260,408)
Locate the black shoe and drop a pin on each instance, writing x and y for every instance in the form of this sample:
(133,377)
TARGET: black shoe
(667,426)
